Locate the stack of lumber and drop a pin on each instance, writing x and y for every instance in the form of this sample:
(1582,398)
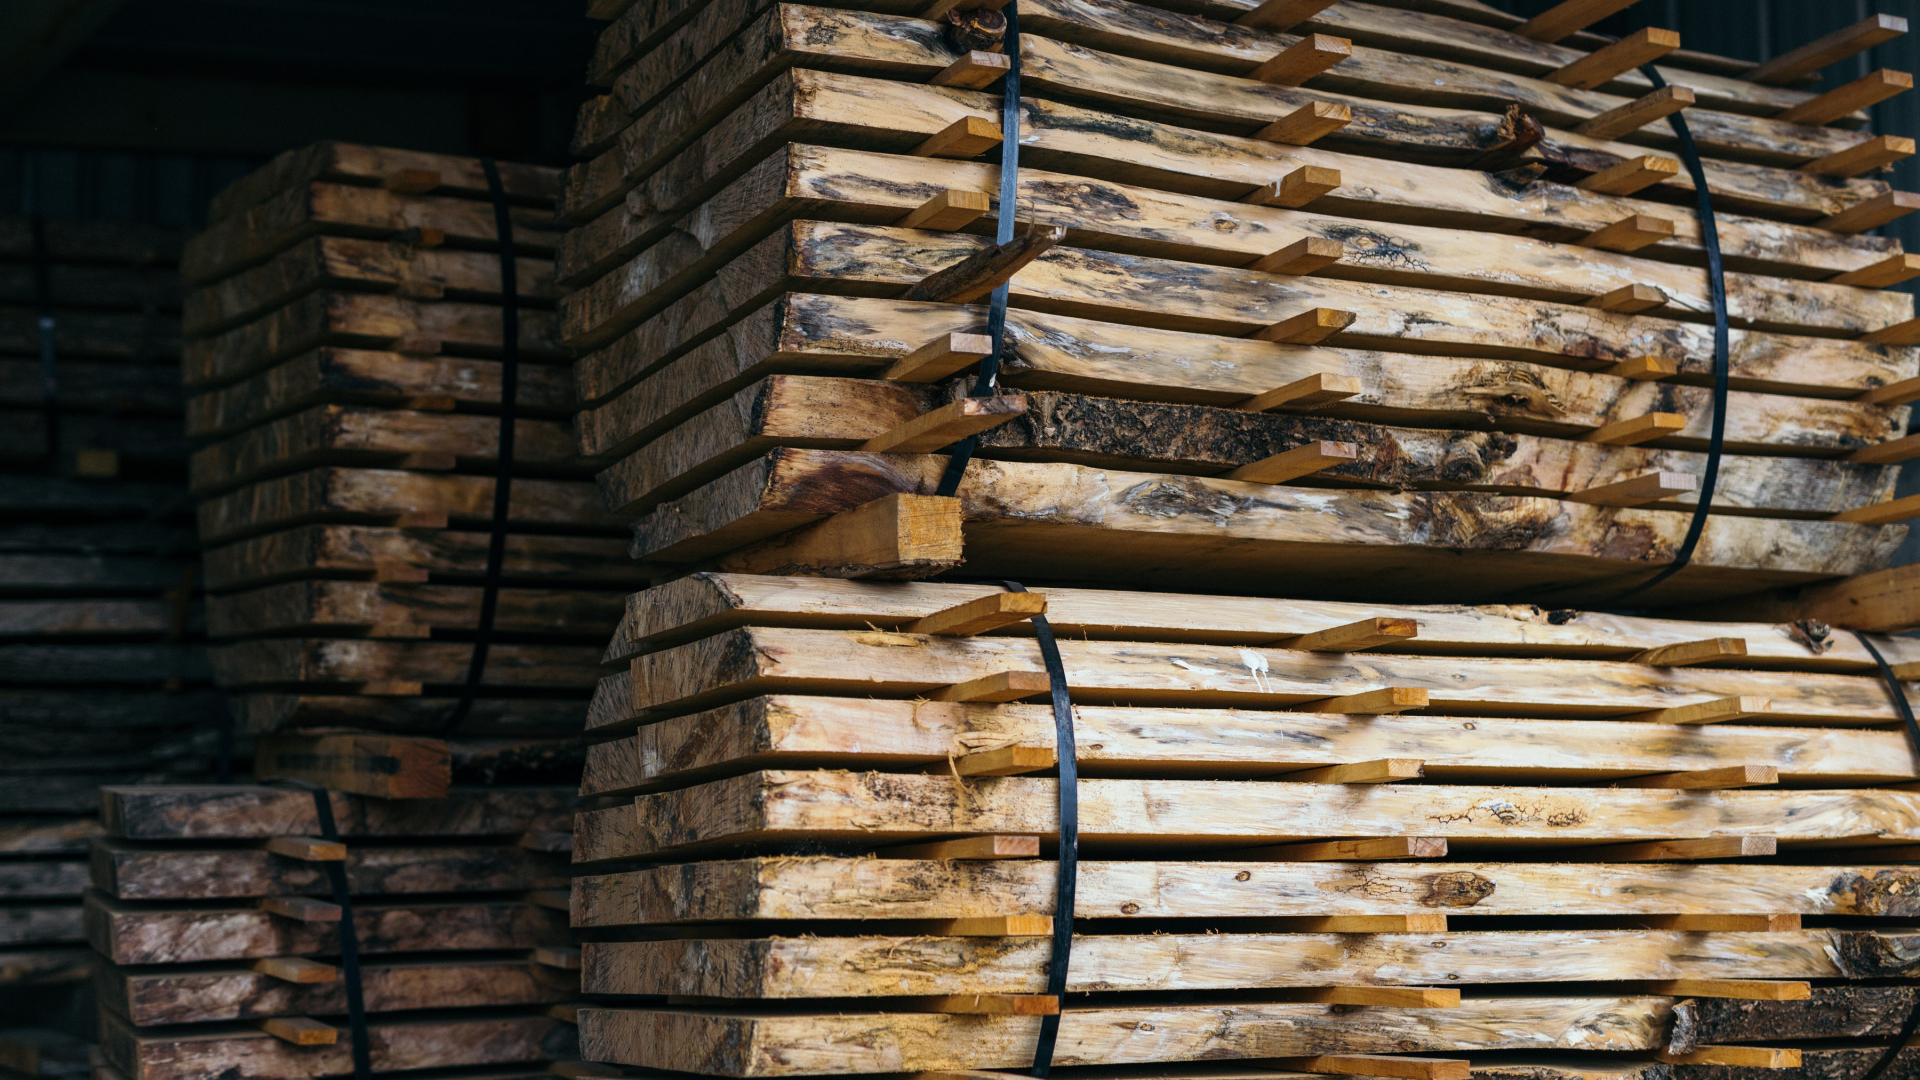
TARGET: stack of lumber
(103,668)
(1344,300)
(212,914)
(1322,837)
(345,353)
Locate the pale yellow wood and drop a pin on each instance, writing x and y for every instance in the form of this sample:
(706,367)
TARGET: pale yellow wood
(1387,699)
(1314,390)
(301,908)
(1295,463)
(1000,686)
(1362,634)
(941,357)
(299,1030)
(1398,997)
(1872,213)
(1688,653)
(1382,771)
(1632,175)
(1303,256)
(1723,923)
(1645,368)
(979,615)
(983,1004)
(1871,155)
(1733,776)
(1302,60)
(1006,761)
(1884,274)
(1746,1057)
(1892,452)
(1639,429)
(1717,711)
(1630,233)
(296,969)
(1400,1067)
(969,136)
(1369,849)
(897,535)
(1296,189)
(1743,989)
(308,848)
(952,209)
(1831,49)
(1605,64)
(1279,16)
(976,70)
(1310,327)
(1709,847)
(968,847)
(1565,19)
(976,926)
(1884,513)
(1637,490)
(1638,113)
(1864,92)
(948,424)
(1630,299)
(1306,124)
(1420,923)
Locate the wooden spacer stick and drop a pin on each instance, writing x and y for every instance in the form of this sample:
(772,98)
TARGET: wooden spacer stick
(1875,153)
(1629,299)
(1636,490)
(1301,257)
(1744,989)
(1637,113)
(976,926)
(421,520)
(1280,16)
(1310,327)
(392,571)
(299,1030)
(998,687)
(1006,761)
(1568,18)
(1722,923)
(968,847)
(979,615)
(1302,60)
(302,908)
(1389,1065)
(941,357)
(1606,64)
(1639,429)
(1688,653)
(983,1004)
(308,848)
(1307,123)
(987,269)
(1900,333)
(1295,463)
(1354,636)
(564,957)
(296,969)
(1841,101)
(554,899)
(1831,49)
(947,424)
(1402,997)
(1631,175)
(1872,213)
(969,136)
(951,209)
(1717,711)
(1630,233)
(553,840)
(1368,849)
(1418,923)
(1746,1057)
(1883,513)
(1305,393)
(1724,779)
(392,688)
(1905,448)
(1645,368)
(1380,771)
(1296,189)
(1886,273)
(1708,847)
(1387,699)
(897,535)
(976,70)
(411,181)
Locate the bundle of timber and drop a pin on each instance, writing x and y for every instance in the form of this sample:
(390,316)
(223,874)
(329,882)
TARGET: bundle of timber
(1361,300)
(347,324)
(213,914)
(1311,834)
(103,668)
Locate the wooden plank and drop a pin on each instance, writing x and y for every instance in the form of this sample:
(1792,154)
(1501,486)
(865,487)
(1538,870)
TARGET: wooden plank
(1738,989)
(396,668)
(1394,1065)
(215,994)
(133,933)
(371,552)
(1835,47)
(383,766)
(895,535)
(819,887)
(1564,19)
(1602,66)
(1885,601)
(819,806)
(405,609)
(1866,91)
(797,732)
(1749,1057)
(57,966)
(765,1044)
(211,811)
(351,163)
(129,873)
(398,1045)
(825,967)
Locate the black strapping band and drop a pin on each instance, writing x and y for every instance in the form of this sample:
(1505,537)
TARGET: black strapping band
(503,475)
(1905,708)
(49,372)
(1722,364)
(987,383)
(1069,873)
(361,1042)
